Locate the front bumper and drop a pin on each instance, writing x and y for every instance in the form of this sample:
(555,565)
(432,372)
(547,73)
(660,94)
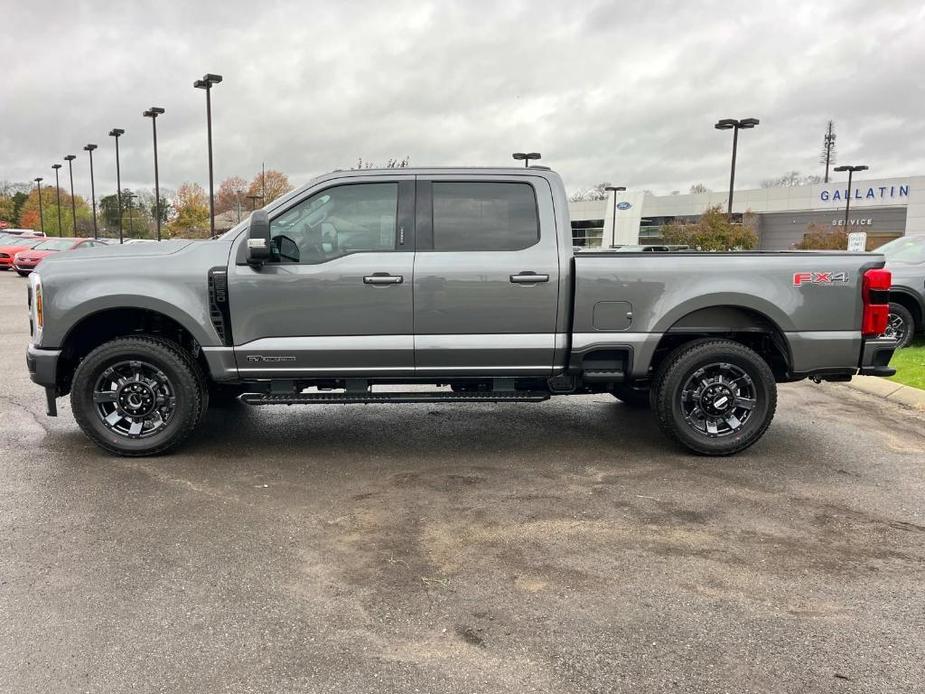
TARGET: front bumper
(43,365)
(43,369)
(875,357)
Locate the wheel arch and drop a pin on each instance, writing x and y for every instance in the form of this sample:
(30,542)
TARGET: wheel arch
(745,325)
(105,324)
(909,300)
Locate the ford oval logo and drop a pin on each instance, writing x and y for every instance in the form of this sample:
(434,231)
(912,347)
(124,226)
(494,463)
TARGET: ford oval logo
(623,205)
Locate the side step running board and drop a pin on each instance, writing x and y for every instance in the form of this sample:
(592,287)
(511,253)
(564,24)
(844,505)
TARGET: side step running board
(370,398)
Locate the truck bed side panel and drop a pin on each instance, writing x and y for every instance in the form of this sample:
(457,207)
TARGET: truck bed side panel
(818,312)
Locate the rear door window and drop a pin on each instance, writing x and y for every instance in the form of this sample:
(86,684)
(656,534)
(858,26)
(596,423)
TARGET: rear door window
(484,216)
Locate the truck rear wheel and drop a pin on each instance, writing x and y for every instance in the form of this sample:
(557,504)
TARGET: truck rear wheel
(137,396)
(716,397)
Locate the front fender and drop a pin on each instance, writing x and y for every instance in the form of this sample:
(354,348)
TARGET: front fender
(184,302)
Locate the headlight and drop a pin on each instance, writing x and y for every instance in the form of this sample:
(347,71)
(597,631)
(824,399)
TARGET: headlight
(39,307)
(36,307)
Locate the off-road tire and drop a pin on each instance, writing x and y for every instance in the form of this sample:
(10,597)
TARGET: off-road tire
(185,377)
(682,364)
(905,315)
(633,397)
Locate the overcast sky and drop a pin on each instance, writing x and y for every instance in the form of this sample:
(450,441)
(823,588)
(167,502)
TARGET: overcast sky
(618,91)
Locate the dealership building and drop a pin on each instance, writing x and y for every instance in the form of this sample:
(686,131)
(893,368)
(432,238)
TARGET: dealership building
(884,208)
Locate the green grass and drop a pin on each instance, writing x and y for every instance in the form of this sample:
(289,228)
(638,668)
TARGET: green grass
(910,365)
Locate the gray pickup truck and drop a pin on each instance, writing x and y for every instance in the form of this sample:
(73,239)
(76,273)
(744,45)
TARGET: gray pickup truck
(461,284)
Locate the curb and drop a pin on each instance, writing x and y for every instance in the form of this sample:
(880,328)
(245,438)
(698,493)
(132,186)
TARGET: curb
(889,390)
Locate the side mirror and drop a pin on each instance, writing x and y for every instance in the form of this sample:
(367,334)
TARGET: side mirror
(258,238)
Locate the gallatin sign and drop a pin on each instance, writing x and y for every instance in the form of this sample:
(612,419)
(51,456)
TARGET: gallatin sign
(875,193)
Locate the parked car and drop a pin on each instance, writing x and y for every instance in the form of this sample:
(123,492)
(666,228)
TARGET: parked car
(462,277)
(22,232)
(905,258)
(25,262)
(11,245)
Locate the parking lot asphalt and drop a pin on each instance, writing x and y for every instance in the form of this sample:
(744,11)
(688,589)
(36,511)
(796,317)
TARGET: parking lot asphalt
(559,547)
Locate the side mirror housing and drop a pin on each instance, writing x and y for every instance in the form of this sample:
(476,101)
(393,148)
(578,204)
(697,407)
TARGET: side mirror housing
(258,238)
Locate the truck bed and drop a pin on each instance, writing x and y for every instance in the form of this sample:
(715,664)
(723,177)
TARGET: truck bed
(813,299)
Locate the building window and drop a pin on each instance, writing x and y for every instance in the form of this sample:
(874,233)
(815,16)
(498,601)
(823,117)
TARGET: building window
(588,233)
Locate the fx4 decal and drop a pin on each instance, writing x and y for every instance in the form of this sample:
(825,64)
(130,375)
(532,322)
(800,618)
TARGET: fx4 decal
(823,278)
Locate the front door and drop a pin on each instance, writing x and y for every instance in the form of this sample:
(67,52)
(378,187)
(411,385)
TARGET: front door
(336,295)
(486,280)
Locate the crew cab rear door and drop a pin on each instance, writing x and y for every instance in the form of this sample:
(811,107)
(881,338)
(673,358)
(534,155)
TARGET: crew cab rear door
(486,276)
(336,297)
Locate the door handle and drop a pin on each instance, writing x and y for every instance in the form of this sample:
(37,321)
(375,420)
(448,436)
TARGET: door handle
(383,278)
(528,277)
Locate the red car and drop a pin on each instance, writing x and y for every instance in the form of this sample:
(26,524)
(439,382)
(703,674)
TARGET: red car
(10,246)
(24,262)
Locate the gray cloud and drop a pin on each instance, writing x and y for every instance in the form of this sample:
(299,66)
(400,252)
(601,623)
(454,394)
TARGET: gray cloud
(626,92)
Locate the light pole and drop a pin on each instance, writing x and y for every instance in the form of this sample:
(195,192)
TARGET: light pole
(850,169)
(70,167)
(613,230)
(153,113)
(116,132)
(526,157)
(90,148)
(206,83)
(735,126)
(58,195)
(131,226)
(38,182)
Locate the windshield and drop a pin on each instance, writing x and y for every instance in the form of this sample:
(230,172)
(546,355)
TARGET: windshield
(906,249)
(55,245)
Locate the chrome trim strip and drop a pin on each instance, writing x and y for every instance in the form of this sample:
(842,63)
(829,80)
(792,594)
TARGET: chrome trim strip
(583,340)
(503,341)
(324,343)
(481,369)
(328,369)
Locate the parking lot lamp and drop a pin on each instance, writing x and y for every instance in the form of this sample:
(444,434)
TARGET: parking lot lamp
(850,169)
(131,226)
(153,113)
(614,190)
(89,149)
(206,83)
(38,182)
(735,126)
(70,167)
(116,132)
(58,195)
(526,157)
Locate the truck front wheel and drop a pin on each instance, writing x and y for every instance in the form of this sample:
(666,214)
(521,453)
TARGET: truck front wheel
(716,397)
(137,396)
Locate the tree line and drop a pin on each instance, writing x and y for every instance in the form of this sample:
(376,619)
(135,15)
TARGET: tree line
(184,212)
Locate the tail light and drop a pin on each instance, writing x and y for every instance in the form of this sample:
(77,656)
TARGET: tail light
(876,295)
